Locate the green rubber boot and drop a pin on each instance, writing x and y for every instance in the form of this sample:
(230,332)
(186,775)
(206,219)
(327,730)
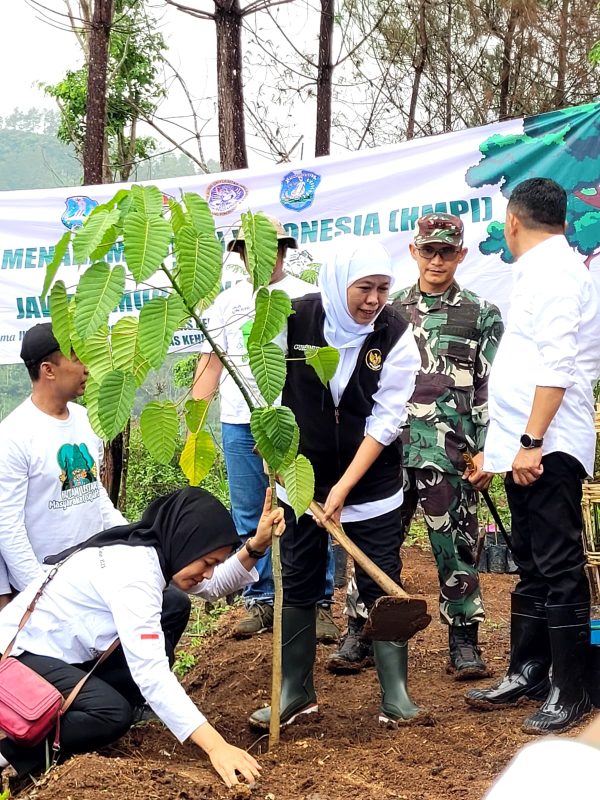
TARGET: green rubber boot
(299,649)
(391,660)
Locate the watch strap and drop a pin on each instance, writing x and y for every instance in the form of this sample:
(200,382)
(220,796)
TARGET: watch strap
(252,552)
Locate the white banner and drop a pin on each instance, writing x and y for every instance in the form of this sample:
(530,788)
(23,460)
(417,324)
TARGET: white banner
(376,193)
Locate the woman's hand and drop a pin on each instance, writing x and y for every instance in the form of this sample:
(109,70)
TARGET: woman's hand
(264,531)
(334,504)
(225,758)
(228,760)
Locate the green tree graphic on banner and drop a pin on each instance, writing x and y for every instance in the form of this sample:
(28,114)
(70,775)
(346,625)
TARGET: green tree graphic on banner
(562,145)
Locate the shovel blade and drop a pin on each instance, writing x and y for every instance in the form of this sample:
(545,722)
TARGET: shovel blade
(393,619)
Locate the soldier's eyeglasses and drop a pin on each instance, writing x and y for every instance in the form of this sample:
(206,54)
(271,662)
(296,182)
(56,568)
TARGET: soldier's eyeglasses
(447,253)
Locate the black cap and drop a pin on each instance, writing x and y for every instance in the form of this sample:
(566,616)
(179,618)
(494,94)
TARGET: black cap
(38,343)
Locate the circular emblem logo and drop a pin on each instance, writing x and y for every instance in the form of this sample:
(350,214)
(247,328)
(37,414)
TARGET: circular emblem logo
(374,360)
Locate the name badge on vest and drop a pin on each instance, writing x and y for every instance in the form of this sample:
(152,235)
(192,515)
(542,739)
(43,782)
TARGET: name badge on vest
(374,360)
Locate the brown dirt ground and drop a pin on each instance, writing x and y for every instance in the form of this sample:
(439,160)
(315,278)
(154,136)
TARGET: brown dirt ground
(340,754)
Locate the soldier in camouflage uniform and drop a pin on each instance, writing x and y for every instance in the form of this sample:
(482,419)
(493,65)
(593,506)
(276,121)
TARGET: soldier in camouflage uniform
(458,334)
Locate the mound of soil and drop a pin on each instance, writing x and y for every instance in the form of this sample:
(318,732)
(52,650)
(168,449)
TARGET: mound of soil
(339,754)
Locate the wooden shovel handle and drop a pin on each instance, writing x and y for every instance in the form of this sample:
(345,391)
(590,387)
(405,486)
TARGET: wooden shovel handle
(363,561)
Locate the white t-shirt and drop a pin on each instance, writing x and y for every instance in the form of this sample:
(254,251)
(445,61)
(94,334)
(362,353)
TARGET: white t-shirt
(101,593)
(553,769)
(51,496)
(229,320)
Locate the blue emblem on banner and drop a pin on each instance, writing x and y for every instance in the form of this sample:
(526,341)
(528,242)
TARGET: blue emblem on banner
(76,211)
(224,196)
(298,189)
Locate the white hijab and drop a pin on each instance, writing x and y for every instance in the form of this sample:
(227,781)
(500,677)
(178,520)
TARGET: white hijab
(353,261)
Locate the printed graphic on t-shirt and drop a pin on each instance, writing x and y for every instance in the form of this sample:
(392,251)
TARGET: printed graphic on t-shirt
(78,476)
(246,329)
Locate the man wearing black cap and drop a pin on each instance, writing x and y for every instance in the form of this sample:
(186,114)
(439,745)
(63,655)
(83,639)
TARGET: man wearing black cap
(50,494)
(457,334)
(230,320)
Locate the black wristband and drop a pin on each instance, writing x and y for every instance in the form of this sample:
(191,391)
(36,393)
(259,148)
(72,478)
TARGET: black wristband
(252,552)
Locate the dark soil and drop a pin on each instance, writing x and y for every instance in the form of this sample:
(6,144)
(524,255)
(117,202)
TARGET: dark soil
(340,754)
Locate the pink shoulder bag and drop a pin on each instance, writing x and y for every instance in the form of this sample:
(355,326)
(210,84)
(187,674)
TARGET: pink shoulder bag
(29,705)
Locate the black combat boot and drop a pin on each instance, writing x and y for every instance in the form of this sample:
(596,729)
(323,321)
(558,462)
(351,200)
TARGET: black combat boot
(299,647)
(568,701)
(354,654)
(465,661)
(530,658)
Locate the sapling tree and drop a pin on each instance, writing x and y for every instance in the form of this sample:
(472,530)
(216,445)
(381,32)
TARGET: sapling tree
(175,248)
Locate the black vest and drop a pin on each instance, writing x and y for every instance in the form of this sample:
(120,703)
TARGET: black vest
(330,437)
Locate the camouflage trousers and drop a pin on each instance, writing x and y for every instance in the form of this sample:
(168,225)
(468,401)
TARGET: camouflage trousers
(449,506)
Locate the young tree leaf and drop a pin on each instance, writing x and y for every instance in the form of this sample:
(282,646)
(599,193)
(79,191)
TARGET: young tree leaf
(197,456)
(159,319)
(159,425)
(92,389)
(177,215)
(108,240)
(98,358)
(199,261)
(273,430)
(198,214)
(123,341)
(324,361)
(91,234)
(98,292)
(272,310)
(60,248)
(146,242)
(196,412)
(299,482)
(267,363)
(59,309)
(147,200)
(115,401)
(260,239)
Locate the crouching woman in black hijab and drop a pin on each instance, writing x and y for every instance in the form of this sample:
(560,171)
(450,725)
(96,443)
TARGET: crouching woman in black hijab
(112,586)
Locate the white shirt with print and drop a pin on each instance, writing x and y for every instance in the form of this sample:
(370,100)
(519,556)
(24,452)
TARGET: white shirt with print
(51,496)
(229,320)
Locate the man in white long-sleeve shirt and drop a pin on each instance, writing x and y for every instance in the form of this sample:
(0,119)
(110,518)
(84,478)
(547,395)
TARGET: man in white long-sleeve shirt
(541,434)
(51,496)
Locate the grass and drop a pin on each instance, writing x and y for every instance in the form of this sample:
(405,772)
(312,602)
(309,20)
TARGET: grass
(204,621)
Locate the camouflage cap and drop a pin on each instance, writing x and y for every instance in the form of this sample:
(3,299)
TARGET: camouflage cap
(438,227)
(234,245)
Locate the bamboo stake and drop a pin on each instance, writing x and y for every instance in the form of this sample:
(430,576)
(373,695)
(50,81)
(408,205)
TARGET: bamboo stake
(275,721)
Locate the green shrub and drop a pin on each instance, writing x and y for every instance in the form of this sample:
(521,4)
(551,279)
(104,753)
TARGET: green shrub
(147,479)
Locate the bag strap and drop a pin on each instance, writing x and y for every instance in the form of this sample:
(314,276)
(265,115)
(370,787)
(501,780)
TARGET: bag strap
(29,610)
(67,702)
(80,683)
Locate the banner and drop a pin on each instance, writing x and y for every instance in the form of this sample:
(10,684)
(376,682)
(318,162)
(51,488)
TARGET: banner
(374,194)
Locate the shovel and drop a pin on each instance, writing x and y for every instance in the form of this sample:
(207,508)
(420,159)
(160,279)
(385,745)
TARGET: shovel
(395,617)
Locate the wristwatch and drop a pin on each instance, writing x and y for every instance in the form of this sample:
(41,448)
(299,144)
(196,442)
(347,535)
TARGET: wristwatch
(252,552)
(529,443)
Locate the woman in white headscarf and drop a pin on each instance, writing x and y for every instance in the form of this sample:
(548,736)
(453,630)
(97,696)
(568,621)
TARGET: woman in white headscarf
(348,430)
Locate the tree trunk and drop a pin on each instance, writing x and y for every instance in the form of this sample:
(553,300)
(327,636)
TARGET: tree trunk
(230,89)
(324,78)
(95,123)
(419,65)
(561,69)
(448,114)
(505,64)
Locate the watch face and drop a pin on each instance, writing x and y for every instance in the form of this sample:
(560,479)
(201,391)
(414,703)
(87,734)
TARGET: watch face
(526,440)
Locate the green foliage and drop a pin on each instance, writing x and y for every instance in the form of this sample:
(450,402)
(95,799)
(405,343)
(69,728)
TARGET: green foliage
(120,358)
(133,91)
(159,424)
(184,371)
(324,361)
